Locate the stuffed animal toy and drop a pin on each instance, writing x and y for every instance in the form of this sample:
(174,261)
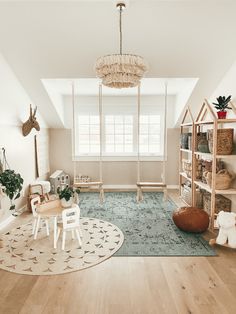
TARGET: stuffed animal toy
(227,223)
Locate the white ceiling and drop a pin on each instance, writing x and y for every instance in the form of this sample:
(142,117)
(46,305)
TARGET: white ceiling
(60,39)
(90,87)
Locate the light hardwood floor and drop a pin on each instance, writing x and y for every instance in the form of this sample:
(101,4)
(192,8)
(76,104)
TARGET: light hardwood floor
(128,285)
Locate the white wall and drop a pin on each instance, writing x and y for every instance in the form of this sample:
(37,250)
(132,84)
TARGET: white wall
(14,109)
(114,173)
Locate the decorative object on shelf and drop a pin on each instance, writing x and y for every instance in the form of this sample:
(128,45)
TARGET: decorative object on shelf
(186,194)
(221,105)
(121,70)
(207,166)
(227,232)
(202,143)
(30,123)
(187,168)
(221,203)
(59,179)
(12,183)
(225,141)
(81,178)
(222,181)
(191,219)
(185,140)
(68,196)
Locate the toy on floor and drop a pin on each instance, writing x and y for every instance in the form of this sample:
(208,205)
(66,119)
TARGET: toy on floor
(227,229)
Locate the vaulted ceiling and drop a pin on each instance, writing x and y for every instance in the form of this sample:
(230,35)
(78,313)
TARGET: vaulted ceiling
(62,39)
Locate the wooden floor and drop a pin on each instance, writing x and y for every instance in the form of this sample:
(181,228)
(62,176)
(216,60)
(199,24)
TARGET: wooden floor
(127,285)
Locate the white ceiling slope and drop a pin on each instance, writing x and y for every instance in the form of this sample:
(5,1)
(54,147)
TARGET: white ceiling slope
(49,39)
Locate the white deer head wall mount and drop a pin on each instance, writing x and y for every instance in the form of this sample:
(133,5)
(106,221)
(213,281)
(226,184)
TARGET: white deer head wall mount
(30,123)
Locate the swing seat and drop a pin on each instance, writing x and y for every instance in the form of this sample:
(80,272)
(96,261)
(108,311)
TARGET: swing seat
(158,185)
(151,184)
(87,184)
(90,184)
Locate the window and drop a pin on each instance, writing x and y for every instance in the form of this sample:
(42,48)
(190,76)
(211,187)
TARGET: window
(118,134)
(119,131)
(150,134)
(88,135)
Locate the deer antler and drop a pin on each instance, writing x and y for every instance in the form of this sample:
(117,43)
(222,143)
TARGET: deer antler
(35,110)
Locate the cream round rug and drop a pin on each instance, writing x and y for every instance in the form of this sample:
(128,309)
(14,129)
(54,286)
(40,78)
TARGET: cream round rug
(23,255)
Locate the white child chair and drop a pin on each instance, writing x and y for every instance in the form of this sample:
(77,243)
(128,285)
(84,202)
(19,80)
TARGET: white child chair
(38,217)
(70,223)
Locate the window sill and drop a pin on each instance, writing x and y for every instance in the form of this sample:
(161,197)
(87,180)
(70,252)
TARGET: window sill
(118,158)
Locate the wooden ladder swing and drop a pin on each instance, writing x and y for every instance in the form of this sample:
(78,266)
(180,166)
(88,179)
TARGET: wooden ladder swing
(157,185)
(98,184)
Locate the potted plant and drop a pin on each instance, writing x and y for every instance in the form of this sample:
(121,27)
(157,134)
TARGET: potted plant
(67,195)
(222,105)
(12,184)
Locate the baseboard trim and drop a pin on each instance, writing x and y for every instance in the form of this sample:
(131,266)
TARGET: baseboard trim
(7,221)
(130,187)
(12,217)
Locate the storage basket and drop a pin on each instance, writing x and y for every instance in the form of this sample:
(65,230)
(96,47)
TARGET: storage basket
(184,140)
(222,181)
(187,168)
(224,141)
(207,166)
(186,194)
(202,143)
(221,203)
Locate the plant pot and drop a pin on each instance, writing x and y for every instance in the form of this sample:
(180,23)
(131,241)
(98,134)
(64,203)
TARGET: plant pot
(65,203)
(221,114)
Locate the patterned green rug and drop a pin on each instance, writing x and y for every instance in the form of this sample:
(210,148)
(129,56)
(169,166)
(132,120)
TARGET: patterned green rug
(148,227)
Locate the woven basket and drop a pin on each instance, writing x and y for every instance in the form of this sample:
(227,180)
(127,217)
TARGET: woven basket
(187,168)
(221,203)
(225,139)
(184,140)
(186,194)
(223,179)
(207,166)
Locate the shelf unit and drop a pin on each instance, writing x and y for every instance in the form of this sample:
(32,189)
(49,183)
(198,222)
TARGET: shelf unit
(186,152)
(206,110)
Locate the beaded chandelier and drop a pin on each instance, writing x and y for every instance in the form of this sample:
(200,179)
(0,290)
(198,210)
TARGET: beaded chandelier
(120,70)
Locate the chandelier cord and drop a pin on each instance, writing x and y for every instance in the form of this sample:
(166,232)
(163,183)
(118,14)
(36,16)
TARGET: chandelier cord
(121,30)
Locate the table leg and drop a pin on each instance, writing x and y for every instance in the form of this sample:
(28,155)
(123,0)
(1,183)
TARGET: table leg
(55,233)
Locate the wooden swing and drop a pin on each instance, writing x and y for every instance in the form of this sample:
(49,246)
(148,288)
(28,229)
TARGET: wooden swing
(98,184)
(143,184)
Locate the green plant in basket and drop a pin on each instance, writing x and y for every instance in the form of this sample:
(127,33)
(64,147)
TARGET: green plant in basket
(67,193)
(12,183)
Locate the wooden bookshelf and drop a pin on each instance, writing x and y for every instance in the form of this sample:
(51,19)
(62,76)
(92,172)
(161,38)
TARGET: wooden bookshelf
(186,152)
(205,112)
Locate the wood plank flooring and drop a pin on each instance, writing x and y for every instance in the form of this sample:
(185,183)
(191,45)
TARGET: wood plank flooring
(128,285)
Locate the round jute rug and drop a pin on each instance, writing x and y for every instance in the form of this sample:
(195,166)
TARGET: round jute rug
(23,255)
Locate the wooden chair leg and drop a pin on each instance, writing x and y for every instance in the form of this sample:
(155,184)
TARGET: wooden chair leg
(37,228)
(34,225)
(63,240)
(78,237)
(47,227)
(80,233)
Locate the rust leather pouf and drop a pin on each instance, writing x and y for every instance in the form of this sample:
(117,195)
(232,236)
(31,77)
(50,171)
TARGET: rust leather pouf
(191,219)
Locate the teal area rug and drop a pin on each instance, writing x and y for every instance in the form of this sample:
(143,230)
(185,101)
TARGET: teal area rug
(148,227)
